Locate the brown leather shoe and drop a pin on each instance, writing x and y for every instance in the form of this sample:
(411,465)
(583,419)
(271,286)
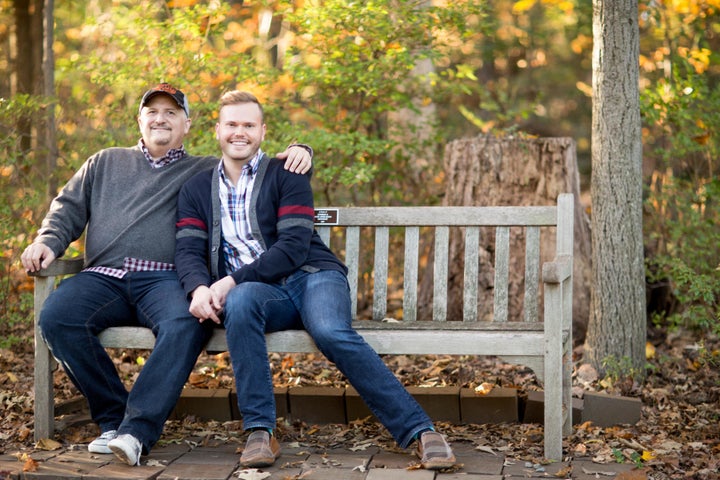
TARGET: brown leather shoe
(261,450)
(434,452)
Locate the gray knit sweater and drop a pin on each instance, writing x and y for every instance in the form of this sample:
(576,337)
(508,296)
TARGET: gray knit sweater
(128,207)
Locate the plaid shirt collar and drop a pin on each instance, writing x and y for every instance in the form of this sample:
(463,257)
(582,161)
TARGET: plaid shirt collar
(172,155)
(251,167)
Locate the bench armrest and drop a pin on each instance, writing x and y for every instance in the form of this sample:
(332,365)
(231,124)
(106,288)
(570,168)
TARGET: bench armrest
(61,266)
(558,270)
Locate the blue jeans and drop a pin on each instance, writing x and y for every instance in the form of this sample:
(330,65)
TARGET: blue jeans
(87,303)
(319,303)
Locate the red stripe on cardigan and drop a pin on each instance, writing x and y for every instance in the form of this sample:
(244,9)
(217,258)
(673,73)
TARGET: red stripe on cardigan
(191,222)
(296,210)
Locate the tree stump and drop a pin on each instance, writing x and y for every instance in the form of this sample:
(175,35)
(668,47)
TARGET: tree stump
(486,170)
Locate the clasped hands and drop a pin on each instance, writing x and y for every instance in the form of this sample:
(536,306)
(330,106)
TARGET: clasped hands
(208,302)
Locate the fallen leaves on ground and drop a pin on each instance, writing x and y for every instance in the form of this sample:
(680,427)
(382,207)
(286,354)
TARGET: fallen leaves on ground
(678,436)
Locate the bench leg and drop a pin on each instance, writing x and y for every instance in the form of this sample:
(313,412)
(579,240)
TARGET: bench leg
(555,409)
(44,401)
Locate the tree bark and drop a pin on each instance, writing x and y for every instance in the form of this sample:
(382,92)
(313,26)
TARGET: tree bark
(617,328)
(486,170)
(48,90)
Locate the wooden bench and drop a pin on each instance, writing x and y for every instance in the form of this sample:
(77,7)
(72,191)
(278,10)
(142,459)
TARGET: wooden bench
(540,340)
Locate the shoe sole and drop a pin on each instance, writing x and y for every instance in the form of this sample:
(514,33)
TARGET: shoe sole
(103,450)
(122,456)
(260,462)
(437,465)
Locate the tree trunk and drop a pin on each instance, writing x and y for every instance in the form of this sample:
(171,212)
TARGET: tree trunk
(48,90)
(486,170)
(617,328)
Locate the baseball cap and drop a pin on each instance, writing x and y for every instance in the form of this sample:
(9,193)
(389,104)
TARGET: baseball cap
(167,89)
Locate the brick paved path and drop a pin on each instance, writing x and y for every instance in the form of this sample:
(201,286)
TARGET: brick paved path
(183,462)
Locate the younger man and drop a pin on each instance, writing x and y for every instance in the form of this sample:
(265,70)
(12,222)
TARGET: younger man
(251,224)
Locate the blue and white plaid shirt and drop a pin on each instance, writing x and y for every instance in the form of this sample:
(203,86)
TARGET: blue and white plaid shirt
(239,246)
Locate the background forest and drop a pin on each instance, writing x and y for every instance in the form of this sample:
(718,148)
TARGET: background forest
(378,88)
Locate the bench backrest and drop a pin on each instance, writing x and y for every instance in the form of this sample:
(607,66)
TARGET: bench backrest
(352,223)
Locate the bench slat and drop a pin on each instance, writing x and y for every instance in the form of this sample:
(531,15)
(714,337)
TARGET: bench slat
(410,273)
(470,281)
(440,273)
(390,339)
(382,247)
(502,266)
(352,259)
(449,216)
(532,273)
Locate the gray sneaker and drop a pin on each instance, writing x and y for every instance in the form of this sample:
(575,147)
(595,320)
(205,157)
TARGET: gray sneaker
(100,444)
(126,448)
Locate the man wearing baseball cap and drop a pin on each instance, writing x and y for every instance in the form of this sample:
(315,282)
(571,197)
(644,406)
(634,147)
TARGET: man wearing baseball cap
(125,201)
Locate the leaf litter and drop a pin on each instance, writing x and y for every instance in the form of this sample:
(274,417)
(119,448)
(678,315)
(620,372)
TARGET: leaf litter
(678,436)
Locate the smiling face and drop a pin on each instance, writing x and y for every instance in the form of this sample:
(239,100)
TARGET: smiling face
(163,125)
(240,131)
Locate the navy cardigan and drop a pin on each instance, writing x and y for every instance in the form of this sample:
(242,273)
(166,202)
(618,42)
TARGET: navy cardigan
(281,218)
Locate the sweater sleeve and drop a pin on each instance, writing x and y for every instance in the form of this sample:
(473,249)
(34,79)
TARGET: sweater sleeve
(289,244)
(191,237)
(69,212)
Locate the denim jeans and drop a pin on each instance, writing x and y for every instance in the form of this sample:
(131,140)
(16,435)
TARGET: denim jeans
(319,303)
(87,303)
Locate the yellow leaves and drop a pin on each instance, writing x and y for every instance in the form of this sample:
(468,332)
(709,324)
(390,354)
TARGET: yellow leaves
(523,6)
(484,388)
(48,444)
(649,351)
(646,456)
(698,58)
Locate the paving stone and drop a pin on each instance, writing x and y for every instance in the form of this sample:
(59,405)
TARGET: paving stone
(393,460)
(11,469)
(345,461)
(332,474)
(317,404)
(60,470)
(587,469)
(192,471)
(84,458)
(606,410)
(206,404)
(522,469)
(466,476)
(399,474)
(209,457)
(498,406)
(442,404)
(120,470)
(355,407)
(167,454)
(534,405)
(276,473)
(480,463)
(364,448)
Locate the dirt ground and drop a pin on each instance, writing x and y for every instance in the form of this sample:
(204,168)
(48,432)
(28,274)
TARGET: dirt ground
(677,437)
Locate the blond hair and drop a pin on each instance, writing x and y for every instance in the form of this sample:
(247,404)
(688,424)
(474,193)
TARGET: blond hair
(235,97)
